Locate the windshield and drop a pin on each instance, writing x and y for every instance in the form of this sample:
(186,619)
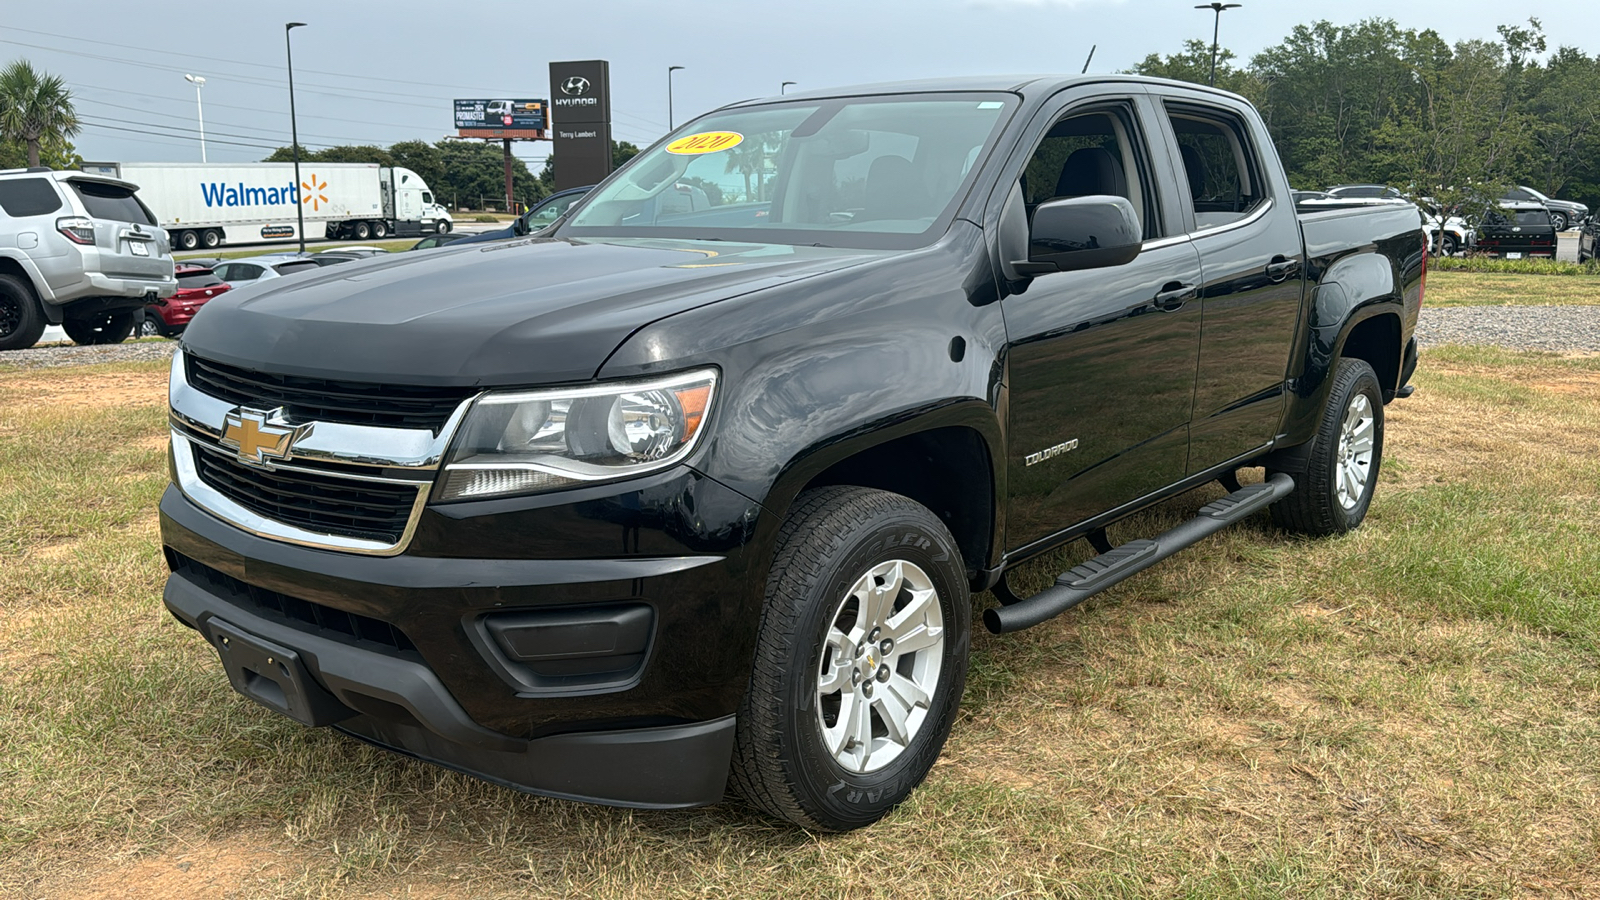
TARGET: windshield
(878,172)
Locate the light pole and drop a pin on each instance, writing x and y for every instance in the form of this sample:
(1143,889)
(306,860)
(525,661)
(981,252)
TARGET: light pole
(784,88)
(294,136)
(199,82)
(670,70)
(1216,28)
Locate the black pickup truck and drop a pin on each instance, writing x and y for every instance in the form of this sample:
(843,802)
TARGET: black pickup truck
(696,487)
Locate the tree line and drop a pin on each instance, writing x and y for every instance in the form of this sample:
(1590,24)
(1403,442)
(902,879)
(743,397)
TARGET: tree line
(1375,102)
(461,173)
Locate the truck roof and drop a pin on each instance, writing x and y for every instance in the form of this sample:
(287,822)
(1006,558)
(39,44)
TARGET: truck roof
(1027,85)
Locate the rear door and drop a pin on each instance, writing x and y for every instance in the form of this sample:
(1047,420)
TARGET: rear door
(1252,256)
(126,234)
(1100,372)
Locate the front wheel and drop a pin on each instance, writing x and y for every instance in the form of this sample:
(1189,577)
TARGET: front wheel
(1451,245)
(444,227)
(1332,494)
(860,661)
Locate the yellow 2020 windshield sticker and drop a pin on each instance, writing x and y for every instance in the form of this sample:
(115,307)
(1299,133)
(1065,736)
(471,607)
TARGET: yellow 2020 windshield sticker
(705,142)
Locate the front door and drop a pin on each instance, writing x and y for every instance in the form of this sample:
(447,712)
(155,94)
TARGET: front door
(1100,370)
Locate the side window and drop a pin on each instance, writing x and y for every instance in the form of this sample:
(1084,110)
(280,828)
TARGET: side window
(22,197)
(1097,152)
(1219,164)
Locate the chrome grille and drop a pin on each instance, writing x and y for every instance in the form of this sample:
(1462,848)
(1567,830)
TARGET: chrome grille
(327,400)
(323,503)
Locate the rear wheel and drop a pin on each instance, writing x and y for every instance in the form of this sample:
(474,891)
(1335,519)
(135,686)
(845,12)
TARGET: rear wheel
(1334,492)
(860,662)
(149,325)
(1450,245)
(1560,220)
(211,238)
(380,229)
(363,231)
(187,240)
(21,318)
(101,328)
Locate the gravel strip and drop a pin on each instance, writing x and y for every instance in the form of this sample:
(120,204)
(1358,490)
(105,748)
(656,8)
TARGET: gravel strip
(51,356)
(1560,328)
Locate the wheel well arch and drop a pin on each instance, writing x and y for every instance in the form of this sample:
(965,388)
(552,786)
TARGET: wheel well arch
(9,266)
(947,469)
(1376,340)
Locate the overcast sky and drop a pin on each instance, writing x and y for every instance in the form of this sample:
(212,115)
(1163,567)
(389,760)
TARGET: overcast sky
(378,73)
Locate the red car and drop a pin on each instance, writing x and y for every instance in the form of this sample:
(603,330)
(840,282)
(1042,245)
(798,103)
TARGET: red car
(196,285)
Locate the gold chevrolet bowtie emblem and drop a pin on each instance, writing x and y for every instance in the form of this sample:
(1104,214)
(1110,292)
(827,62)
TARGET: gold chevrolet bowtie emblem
(259,435)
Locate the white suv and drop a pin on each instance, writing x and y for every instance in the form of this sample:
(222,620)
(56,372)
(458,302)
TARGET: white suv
(76,250)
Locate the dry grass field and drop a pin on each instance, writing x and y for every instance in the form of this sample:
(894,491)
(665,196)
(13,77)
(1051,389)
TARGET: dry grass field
(1412,710)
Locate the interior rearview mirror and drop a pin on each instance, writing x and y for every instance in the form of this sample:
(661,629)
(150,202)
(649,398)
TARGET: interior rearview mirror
(1075,233)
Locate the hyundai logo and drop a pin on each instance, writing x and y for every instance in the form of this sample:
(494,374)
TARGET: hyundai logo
(575,86)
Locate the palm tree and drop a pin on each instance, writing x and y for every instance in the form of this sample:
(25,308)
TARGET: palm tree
(34,106)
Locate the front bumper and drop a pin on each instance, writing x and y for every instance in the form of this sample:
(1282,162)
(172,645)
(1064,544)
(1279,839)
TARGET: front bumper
(400,704)
(444,687)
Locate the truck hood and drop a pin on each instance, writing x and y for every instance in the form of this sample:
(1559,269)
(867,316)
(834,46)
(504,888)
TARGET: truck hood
(525,312)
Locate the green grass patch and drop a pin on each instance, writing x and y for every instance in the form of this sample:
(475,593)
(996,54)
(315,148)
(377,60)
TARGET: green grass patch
(1478,288)
(1410,710)
(1512,266)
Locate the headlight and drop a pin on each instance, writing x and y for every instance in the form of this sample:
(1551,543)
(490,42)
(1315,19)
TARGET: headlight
(544,440)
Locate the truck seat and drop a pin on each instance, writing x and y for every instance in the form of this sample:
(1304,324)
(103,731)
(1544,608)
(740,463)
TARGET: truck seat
(1091,170)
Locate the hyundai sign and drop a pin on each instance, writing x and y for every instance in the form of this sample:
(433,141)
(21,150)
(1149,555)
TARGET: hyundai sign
(501,115)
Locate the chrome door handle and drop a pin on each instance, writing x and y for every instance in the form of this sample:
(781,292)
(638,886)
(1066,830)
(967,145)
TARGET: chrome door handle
(1174,296)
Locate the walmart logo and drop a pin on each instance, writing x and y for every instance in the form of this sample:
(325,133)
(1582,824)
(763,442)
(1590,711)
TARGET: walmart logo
(219,194)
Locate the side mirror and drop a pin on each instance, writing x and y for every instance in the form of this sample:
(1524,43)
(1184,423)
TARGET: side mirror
(1075,233)
(519,226)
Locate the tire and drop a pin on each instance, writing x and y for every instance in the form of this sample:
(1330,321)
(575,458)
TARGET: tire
(1326,501)
(102,327)
(211,238)
(835,546)
(21,318)
(444,227)
(380,229)
(1560,220)
(1450,245)
(363,231)
(149,325)
(187,240)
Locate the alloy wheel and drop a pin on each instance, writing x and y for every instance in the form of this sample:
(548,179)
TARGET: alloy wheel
(880,666)
(1354,464)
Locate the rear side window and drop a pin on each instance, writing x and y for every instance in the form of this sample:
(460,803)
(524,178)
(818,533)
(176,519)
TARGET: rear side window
(1533,218)
(21,197)
(1219,164)
(112,202)
(198,280)
(299,265)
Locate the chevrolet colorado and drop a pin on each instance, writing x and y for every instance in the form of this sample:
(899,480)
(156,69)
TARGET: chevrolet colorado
(695,485)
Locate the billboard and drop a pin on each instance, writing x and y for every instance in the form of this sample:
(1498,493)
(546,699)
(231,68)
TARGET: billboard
(501,115)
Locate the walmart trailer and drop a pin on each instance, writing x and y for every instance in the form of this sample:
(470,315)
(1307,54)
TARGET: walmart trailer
(210,205)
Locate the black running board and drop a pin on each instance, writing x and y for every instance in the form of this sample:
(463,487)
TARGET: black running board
(1105,570)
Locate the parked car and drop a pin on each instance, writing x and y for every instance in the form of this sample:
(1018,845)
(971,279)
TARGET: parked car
(76,250)
(1589,241)
(1365,191)
(1564,213)
(690,496)
(1517,230)
(169,317)
(438,240)
(345,254)
(541,216)
(250,269)
(1448,234)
